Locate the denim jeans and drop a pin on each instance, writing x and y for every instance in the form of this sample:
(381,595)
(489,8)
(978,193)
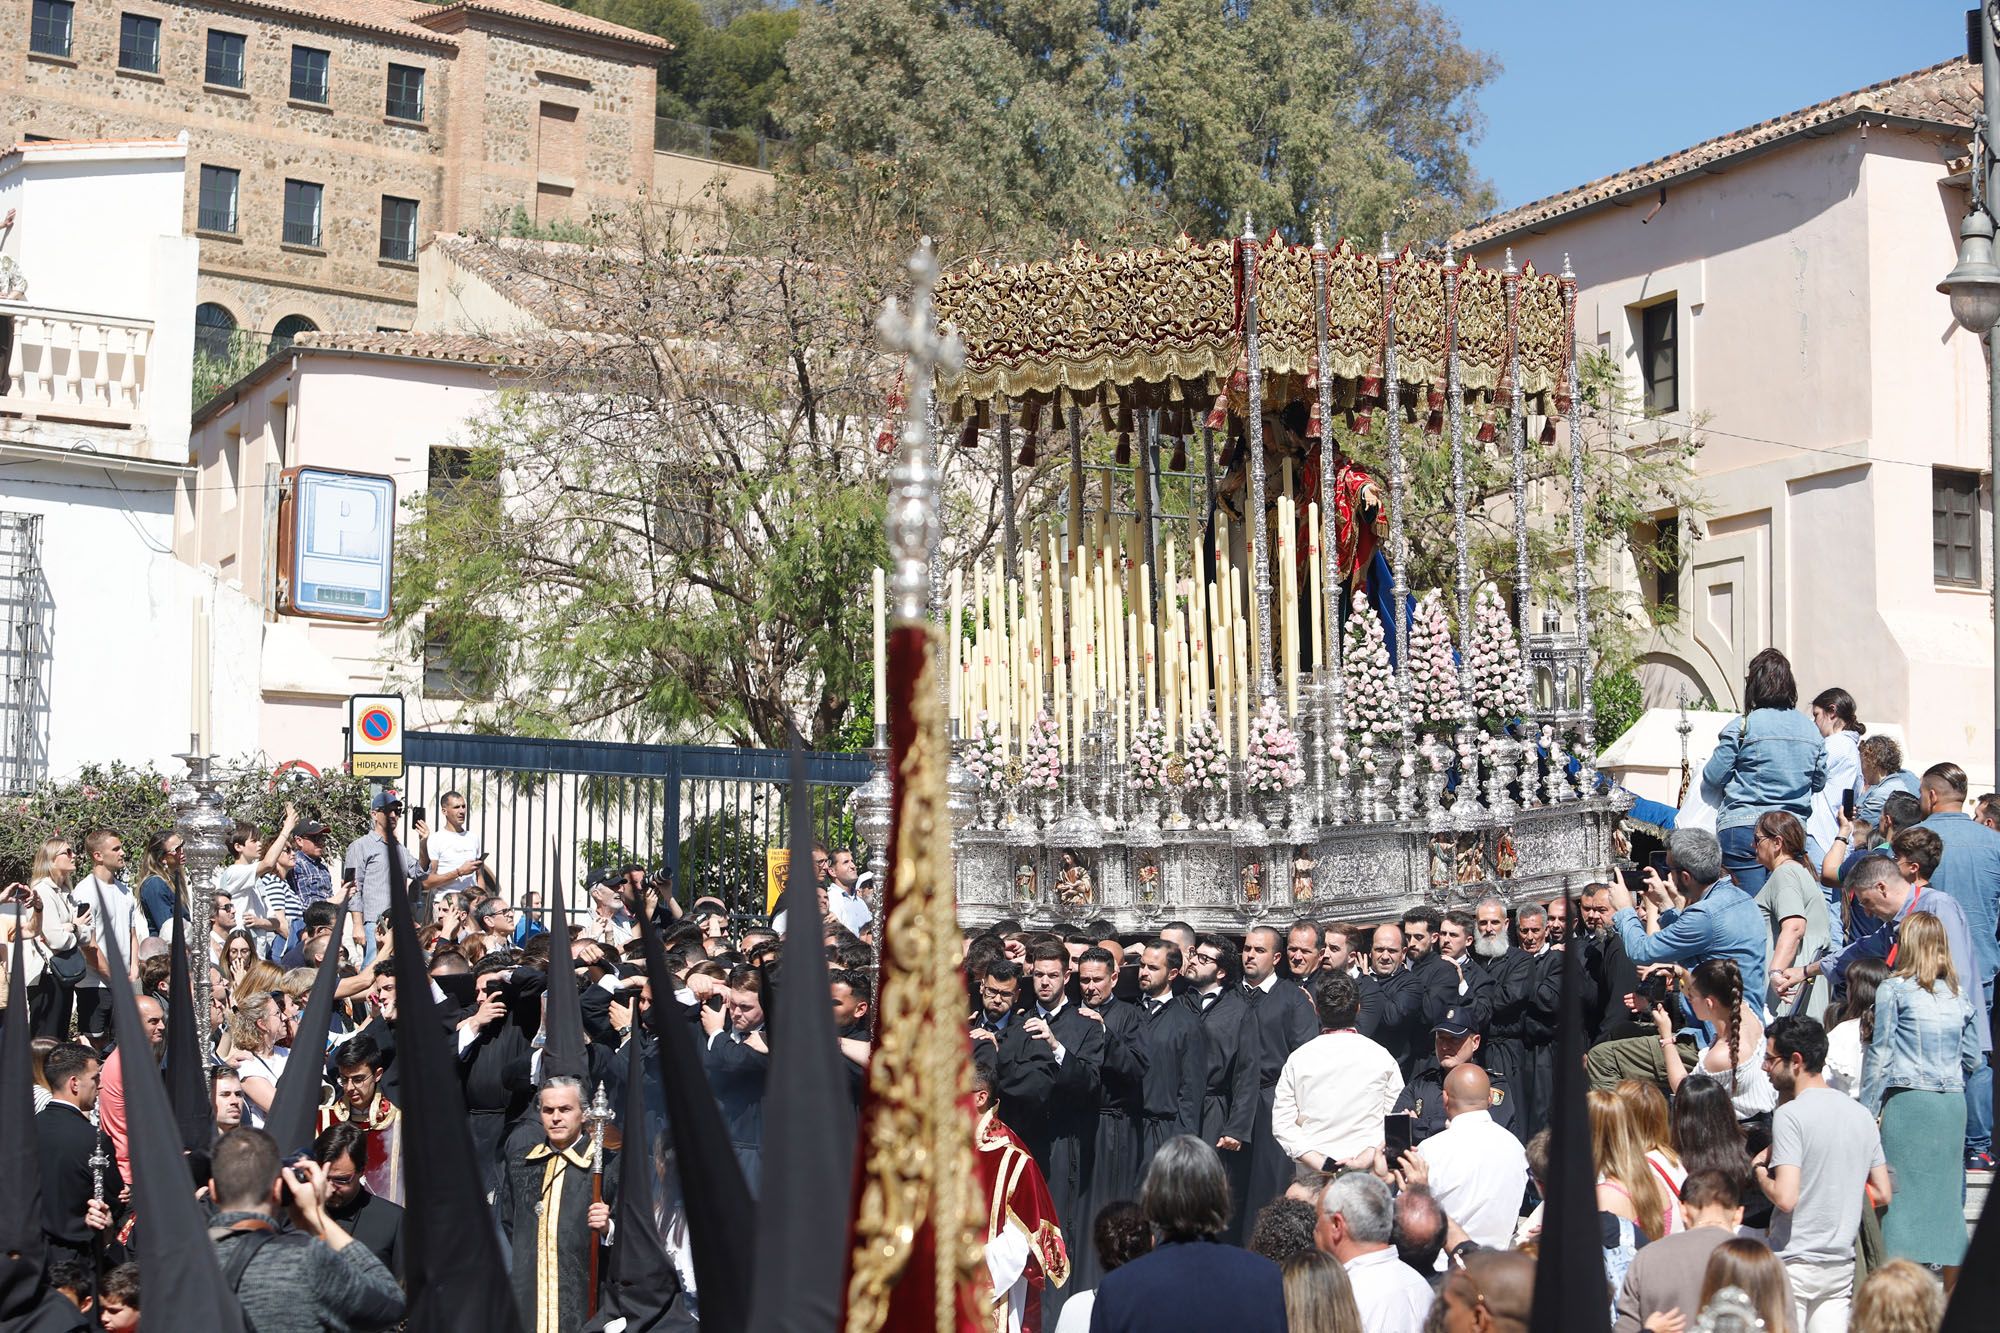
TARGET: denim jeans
(1979,1098)
(1739,858)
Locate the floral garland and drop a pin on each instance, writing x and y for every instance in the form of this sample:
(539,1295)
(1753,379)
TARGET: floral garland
(1435,699)
(1041,758)
(1371,681)
(1499,689)
(986,758)
(1273,764)
(1207,767)
(1149,755)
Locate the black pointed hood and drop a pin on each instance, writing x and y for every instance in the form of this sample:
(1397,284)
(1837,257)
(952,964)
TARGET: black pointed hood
(295,1105)
(22,1248)
(566,1050)
(644,1287)
(184,1286)
(808,1118)
(1570,1291)
(720,1213)
(453,1270)
(186,1070)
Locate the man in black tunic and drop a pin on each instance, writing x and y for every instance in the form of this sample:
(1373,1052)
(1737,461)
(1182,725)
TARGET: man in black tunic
(65,1139)
(1516,980)
(1286,1020)
(545,1210)
(1176,1076)
(738,1063)
(1023,1071)
(1060,1128)
(1229,1099)
(1115,1168)
(495,1039)
(1445,979)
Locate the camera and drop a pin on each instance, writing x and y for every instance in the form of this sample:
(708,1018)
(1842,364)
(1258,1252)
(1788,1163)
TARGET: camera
(1658,989)
(292,1165)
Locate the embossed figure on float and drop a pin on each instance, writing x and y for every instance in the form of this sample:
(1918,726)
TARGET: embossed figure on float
(1245,707)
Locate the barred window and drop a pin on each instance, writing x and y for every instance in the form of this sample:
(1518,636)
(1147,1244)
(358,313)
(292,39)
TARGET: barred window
(225,59)
(309,78)
(139,43)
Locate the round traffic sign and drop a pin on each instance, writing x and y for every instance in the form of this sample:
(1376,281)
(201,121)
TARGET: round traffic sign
(377,725)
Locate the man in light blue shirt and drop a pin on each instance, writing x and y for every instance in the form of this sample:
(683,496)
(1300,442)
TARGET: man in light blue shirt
(1970,873)
(1719,921)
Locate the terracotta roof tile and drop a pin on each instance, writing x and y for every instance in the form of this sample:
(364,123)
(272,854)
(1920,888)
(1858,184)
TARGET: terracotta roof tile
(465,348)
(549,281)
(535,11)
(392,17)
(1945,94)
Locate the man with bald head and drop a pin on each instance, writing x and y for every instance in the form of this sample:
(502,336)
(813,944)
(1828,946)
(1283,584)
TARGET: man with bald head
(1384,994)
(1285,1020)
(1493,1293)
(1477,1170)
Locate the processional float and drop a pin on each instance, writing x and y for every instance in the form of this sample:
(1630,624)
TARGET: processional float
(1219,719)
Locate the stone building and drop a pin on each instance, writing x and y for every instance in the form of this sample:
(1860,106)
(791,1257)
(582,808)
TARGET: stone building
(327,137)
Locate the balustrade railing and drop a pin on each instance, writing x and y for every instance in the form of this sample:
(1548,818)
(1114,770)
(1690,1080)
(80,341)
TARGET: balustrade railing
(73,366)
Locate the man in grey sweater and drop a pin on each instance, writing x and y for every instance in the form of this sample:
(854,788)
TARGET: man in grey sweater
(311,1279)
(1667,1274)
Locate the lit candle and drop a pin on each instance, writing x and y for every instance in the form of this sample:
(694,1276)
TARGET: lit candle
(955,695)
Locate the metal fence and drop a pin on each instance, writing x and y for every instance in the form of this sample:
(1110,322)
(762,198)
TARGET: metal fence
(743,148)
(553,809)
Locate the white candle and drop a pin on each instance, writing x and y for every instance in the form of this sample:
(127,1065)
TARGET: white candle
(881,650)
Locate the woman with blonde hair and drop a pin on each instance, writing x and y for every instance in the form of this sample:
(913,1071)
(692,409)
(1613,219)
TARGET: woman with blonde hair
(256,977)
(256,1027)
(1750,1267)
(50,880)
(1632,1201)
(1650,1120)
(1926,1044)
(1318,1296)
(1898,1297)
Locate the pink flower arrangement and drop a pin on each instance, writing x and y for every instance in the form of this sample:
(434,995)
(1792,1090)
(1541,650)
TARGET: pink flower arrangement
(1499,688)
(1148,755)
(1041,763)
(1207,768)
(985,758)
(1369,677)
(1435,699)
(1273,764)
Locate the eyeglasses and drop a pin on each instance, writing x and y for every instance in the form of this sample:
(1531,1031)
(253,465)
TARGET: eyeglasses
(342,1181)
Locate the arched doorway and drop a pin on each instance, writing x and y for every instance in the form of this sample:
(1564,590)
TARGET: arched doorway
(214,330)
(290,327)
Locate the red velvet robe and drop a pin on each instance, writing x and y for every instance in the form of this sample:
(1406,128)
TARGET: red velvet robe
(1017,1194)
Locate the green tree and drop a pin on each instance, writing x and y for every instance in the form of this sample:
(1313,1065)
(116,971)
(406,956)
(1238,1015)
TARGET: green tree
(667,527)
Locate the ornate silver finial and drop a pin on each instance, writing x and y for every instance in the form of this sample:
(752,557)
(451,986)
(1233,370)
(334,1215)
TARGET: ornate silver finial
(1449,260)
(1387,253)
(1568,273)
(913,522)
(1249,229)
(1319,236)
(1508,267)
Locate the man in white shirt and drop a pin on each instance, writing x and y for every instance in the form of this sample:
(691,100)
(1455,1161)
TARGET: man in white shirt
(843,896)
(455,854)
(116,913)
(1332,1093)
(1356,1216)
(1477,1170)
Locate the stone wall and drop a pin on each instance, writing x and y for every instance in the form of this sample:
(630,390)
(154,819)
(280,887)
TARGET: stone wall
(484,146)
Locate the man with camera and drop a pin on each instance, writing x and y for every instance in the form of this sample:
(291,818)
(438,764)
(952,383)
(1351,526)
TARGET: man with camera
(1700,913)
(309,1277)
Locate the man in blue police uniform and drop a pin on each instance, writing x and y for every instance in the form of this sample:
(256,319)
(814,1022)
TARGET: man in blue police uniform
(1457,1043)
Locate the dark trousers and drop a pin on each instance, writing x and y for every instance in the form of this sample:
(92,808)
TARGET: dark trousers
(1642,1058)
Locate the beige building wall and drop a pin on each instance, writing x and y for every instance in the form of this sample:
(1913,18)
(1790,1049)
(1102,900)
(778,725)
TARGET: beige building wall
(1827,382)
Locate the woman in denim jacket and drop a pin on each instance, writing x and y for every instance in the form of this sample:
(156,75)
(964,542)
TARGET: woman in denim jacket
(1913,1078)
(1771,758)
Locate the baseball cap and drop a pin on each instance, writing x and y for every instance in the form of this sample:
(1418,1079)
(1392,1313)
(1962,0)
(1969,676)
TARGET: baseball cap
(387,799)
(1455,1023)
(310,828)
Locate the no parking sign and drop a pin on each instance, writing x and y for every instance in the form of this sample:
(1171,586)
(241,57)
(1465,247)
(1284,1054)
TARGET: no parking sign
(375,735)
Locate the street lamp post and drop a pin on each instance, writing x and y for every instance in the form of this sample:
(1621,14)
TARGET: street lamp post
(1974,288)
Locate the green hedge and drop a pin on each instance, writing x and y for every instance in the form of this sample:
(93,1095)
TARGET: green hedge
(133,801)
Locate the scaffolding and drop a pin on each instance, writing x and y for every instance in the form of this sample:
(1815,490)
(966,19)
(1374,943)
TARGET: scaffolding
(24,701)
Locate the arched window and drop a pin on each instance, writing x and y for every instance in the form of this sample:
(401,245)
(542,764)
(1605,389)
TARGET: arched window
(290,327)
(213,328)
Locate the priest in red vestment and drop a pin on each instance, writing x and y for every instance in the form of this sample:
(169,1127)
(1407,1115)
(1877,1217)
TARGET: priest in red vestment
(1024,1246)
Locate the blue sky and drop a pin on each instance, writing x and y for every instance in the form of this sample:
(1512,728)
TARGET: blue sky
(1589,87)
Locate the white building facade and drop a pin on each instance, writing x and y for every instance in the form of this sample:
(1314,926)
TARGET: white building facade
(97,283)
(1774,292)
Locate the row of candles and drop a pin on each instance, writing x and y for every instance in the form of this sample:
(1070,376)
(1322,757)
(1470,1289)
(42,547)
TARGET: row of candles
(1076,632)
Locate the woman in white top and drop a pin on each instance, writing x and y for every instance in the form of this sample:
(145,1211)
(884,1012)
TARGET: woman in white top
(255,1030)
(1847,1043)
(53,876)
(1736,1058)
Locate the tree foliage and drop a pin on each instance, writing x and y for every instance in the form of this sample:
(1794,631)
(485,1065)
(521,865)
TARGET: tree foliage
(728,62)
(1022,126)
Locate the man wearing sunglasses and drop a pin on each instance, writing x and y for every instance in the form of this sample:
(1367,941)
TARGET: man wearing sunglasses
(368,857)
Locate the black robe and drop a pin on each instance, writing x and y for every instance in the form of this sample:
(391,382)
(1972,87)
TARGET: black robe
(1285,1020)
(543,1205)
(738,1073)
(1515,978)
(495,1099)
(1229,1099)
(1176,1076)
(1397,1016)
(64,1141)
(1060,1128)
(1115,1164)
(377,1225)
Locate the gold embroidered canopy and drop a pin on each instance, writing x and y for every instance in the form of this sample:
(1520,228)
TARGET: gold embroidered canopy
(1174,315)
